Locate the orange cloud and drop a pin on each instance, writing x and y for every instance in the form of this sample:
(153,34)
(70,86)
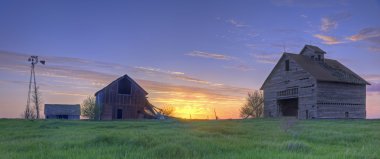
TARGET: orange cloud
(328,39)
(365,34)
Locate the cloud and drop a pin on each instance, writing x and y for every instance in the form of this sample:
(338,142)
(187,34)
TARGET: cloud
(267,58)
(374,49)
(365,33)
(328,24)
(328,39)
(217,91)
(234,62)
(236,23)
(241,67)
(308,3)
(151,69)
(375,87)
(372,78)
(171,74)
(371,35)
(331,22)
(209,55)
(196,100)
(60,82)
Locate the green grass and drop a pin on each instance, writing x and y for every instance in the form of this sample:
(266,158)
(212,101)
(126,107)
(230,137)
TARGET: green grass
(260,138)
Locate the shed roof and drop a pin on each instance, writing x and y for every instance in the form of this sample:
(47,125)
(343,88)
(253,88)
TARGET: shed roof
(62,109)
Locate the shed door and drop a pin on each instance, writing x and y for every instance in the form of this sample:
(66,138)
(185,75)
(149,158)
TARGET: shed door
(119,114)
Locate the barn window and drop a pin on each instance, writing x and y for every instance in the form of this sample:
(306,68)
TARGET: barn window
(319,57)
(124,86)
(287,65)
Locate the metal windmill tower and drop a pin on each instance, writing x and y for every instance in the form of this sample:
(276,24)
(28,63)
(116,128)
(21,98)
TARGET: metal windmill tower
(34,60)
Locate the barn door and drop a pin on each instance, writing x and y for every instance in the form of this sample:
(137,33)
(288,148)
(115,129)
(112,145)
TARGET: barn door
(119,114)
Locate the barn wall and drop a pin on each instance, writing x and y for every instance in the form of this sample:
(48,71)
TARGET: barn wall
(282,84)
(335,99)
(111,101)
(70,117)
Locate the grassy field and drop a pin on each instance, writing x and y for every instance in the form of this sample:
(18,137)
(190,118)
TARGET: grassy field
(261,138)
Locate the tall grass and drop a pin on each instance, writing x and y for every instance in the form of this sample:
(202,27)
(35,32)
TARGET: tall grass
(259,138)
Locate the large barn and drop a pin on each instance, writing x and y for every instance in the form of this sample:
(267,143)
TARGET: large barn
(123,99)
(308,85)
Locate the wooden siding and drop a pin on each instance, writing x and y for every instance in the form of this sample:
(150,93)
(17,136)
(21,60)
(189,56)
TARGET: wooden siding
(335,99)
(315,99)
(110,101)
(61,109)
(288,81)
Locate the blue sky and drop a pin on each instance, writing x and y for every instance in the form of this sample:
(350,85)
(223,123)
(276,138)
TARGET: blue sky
(199,52)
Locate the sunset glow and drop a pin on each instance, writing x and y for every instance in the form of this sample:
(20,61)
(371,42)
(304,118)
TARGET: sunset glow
(197,56)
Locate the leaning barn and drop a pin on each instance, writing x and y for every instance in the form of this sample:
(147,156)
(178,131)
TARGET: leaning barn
(123,99)
(307,85)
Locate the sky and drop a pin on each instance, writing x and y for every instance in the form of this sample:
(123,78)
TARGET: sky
(196,56)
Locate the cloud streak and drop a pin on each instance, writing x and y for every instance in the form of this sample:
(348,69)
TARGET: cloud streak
(209,55)
(329,40)
(173,75)
(60,83)
(365,33)
(327,24)
(236,23)
(307,3)
(190,100)
(267,58)
(331,22)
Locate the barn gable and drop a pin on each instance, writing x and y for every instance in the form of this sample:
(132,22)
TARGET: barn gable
(124,77)
(123,98)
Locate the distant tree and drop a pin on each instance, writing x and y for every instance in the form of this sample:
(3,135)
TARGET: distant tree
(29,113)
(89,108)
(33,112)
(167,110)
(254,106)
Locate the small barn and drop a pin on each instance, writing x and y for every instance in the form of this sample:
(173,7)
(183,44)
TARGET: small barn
(123,98)
(62,111)
(308,85)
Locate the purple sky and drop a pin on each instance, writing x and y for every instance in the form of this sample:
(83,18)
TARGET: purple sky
(195,55)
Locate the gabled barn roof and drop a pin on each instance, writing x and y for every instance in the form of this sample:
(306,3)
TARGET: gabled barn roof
(329,70)
(129,78)
(62,109)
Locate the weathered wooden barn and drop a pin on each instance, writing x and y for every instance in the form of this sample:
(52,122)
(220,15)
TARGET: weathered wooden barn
(308,85)
(62,111)
(123,99)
